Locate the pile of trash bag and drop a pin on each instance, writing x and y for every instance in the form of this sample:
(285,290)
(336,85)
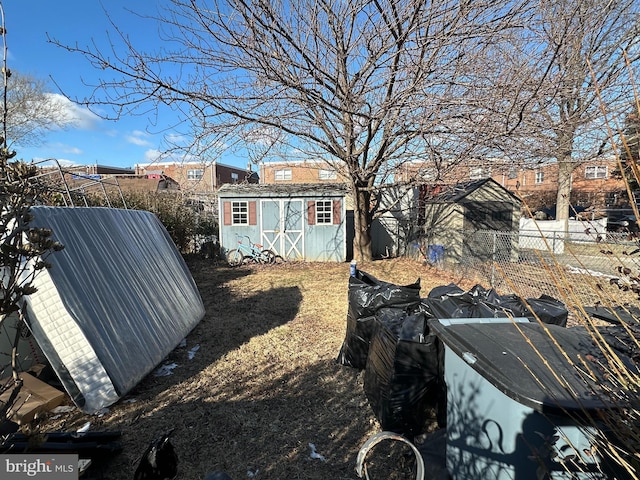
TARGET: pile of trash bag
(388,337)
(366,296)
(402,380)
(450,301)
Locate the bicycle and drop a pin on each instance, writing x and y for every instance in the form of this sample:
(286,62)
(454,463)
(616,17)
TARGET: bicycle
(251,252)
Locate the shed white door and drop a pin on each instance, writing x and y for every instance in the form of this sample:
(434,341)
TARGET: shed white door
(283,227)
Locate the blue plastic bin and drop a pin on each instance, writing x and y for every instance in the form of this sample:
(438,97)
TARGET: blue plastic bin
(435,253)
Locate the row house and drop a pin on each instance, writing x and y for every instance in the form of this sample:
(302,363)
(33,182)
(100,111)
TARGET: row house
(593,183)
(197,177)
(303,171)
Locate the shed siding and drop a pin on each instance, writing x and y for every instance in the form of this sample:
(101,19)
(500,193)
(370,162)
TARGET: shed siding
(287,216)
(325,242)
(488,207)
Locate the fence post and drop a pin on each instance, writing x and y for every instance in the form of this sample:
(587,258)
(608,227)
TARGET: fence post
(493,259)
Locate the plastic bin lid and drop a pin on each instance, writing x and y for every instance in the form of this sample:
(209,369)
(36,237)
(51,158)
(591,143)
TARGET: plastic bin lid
(500,353)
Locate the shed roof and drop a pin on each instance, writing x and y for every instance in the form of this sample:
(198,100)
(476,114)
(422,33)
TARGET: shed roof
(285,190)
(457,192)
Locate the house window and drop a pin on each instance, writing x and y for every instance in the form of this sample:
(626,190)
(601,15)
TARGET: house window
(595,171)
(429,173)
(479,173)
(328,174)
(283,175)
(324,211)
(239,213)
(234,178)
(539,177)
(195,174)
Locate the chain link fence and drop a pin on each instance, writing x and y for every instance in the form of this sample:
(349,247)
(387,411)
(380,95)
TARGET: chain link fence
(580,270)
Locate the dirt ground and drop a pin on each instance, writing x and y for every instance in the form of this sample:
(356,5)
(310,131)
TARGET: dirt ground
(263,387)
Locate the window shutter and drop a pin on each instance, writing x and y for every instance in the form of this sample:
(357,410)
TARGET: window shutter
(311,212)
(336,212)
(226,206)
(253,218)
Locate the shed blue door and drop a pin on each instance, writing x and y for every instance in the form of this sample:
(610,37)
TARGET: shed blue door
(282,227)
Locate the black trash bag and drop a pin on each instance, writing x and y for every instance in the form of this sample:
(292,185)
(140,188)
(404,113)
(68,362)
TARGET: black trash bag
(462,305)
(442,290)
(628,314)
(452,302)
(405,323)
(622,340)
(549,310)
(512,304)
(401,379)
(434,455)
(366,296)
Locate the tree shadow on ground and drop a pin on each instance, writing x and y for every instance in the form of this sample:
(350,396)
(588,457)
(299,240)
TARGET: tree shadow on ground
(266,432)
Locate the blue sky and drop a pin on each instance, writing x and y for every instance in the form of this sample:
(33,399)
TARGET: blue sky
(91,140)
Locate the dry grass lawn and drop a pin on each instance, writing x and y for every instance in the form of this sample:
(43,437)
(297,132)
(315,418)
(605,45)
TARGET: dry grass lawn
(264,383)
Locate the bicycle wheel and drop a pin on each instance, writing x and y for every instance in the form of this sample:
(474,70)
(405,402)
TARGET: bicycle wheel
(271,257)
(235,258)
(267,256)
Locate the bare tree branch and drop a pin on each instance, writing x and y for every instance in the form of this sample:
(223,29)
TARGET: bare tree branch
(369,84)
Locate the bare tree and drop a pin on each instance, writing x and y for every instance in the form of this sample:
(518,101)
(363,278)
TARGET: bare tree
(576,50)
(31,110)
(364,85)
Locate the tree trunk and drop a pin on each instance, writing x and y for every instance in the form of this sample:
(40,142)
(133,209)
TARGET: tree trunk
(563,200)
(362,224)
(565,140)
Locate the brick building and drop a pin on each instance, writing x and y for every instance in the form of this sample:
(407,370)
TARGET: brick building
(304,171)
(197,177)
(592,183)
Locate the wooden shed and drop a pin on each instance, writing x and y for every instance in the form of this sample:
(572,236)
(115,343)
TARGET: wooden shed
(463,220)
(397,226)
(297,221)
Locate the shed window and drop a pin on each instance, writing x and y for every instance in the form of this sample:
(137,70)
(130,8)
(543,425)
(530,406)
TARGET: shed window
(595,171)
(239,213)
(283,175)
(195,174)
(324,210)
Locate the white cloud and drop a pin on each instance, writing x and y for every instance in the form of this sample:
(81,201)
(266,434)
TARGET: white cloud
(60,161)
(153,155)
(67,163)
(138,137)
(62,147)
(72,114)
(176,139)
